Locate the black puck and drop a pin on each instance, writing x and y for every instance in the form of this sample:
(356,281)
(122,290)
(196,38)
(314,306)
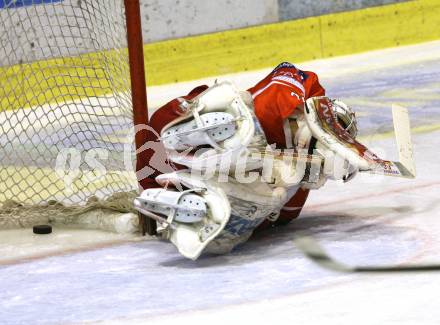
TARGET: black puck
(42,229)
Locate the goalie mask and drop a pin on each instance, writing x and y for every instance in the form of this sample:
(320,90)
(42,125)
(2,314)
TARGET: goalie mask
(345,116)
(306,139)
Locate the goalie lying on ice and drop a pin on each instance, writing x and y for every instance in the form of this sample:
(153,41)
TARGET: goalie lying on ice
(246,160)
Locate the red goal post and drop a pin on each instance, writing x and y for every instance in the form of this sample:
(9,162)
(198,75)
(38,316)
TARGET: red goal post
(139,98)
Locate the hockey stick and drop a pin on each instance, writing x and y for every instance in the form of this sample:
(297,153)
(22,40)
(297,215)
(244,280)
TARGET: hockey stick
(311,248)
(402,132)
(405,167)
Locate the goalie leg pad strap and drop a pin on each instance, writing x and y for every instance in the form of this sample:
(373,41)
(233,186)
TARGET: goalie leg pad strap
(185,207)
(209,128)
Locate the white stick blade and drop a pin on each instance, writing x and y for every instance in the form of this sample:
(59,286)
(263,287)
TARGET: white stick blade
(402,132)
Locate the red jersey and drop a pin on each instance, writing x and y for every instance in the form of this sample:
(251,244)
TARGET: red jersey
(279,95)
(276,97)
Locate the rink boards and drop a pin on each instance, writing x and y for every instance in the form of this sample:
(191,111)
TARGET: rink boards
(372,220)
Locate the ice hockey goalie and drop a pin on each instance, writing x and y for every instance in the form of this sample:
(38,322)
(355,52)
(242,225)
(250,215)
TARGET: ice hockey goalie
(246,160)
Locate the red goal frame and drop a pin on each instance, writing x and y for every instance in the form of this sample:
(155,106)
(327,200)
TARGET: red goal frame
(139,99)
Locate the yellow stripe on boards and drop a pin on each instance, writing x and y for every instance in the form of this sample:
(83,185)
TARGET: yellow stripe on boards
(62,79)
(229,52)
(296,41)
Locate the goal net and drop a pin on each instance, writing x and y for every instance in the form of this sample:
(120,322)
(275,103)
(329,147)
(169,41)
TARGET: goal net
(66,116)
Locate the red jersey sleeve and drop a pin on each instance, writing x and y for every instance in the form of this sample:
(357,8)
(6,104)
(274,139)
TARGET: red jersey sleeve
(312,85)
(279,95)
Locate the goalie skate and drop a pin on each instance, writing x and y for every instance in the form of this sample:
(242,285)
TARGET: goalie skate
(190,219)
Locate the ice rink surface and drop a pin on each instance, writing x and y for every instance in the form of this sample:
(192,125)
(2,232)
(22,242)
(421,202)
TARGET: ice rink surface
(372,220)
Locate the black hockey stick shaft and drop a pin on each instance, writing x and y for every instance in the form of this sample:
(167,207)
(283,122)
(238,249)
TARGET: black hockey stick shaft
(310,248)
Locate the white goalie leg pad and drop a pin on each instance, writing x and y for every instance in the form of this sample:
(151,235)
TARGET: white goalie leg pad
(191,219)
(250,205)
(185,207)
(231,211)
(219,121)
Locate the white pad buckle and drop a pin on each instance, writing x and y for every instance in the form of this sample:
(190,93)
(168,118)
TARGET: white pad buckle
(185,207)
(209,128)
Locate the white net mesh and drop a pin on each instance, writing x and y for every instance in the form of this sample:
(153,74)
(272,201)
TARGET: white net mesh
(65,109)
